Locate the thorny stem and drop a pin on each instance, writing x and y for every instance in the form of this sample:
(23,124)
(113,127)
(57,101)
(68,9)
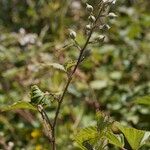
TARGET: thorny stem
(70,79)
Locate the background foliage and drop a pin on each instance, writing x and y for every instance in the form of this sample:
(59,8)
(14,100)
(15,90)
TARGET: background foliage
(115,74)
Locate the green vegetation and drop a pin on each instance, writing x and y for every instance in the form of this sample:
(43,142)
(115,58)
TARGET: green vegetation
(107,103)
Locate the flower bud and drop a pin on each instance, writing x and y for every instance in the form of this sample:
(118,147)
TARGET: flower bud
(91,18)
(112,15)
(87,53)
(72,34)
(109,1)
(89,8)
(105,27)
(100,38)
(88,27)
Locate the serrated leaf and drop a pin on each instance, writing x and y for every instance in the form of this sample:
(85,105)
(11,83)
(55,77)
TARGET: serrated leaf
(88,134)
(115,139)
(136,138)
(19,105)
(145,100)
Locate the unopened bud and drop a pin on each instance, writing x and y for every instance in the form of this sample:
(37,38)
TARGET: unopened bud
(72,34)
(87,53)
(100,38)
(88,27)
(89,8)
(91,18)
(112,15)
(105,27)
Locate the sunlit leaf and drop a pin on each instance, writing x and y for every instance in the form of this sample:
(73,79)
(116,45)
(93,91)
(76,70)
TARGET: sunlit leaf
(88,134)
(136,138)
(116,140)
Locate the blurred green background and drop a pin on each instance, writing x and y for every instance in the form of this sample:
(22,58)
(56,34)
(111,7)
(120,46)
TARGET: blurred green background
(117,72)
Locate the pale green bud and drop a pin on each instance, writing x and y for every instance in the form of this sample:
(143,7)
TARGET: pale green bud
(91,18)
(88,27)
(109,1)
(72,34)
(112,15)
(89,8)
(105,27)
(100,38)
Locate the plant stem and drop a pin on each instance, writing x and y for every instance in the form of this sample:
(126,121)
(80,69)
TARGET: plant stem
(46,122)
(70,79)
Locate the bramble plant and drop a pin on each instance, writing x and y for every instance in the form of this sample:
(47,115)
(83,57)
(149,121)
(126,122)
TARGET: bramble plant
(106,131)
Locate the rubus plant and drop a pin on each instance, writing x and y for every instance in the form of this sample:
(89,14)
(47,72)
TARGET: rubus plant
(106,131)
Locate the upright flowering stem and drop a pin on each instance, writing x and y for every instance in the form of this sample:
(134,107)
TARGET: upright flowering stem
(71,76)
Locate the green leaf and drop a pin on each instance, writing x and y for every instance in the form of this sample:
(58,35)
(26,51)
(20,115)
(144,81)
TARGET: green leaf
(136,138)
(116,140)
(19,105)
(145,100)
(86,135)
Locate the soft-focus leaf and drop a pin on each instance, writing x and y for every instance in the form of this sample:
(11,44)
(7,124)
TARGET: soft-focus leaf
(98,84)
(143,100)
(4,120)
(18,105)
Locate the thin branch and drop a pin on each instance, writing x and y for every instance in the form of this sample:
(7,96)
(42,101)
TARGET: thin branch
(47,123)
